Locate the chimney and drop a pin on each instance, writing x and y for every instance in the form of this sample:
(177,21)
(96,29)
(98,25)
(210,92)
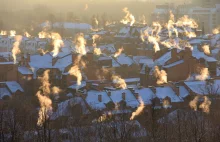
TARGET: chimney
(109,93)
(88,85)
(177,90)
(153,89)
(28,57)
(136,95)
(54,60)
(74,57)
(123,96)
(89,56)
(100,98)
(174,52)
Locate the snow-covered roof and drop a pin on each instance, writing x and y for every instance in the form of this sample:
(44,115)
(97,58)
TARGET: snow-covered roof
(163,92)
(127,80)
(109,47)
(145,95)
(64,108)
(203,88)
(163,59)
(183,92)
(4,92)
(199,55)
(13,86)
(92,99)
(124,60)
(76,87)
(116,96)
(68,25)
(24,70)
(198,41)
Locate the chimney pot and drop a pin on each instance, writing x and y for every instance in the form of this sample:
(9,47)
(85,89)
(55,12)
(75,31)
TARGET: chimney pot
(100,98)
(124,96)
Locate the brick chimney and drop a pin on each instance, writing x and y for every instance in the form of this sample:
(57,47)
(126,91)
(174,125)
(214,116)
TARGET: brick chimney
(89,56)
(153,89)
(28,58)
(109,93)
(123,96)
(177,90)
(174,53)
(100,98)
(136,95)
(74,57)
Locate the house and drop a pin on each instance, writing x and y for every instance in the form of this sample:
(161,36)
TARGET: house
(9,89)
(125,95)
(70,107)
(97,100)
(8,69)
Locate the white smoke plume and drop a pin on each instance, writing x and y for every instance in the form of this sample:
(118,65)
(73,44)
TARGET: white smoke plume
(80,43)
(15,49)
(161,76)
(128,18)
(157,28)
(138,111)
(153,40)
(97,51)
(206,49)
(194,103)
(57,43)
(185,21)
(3,33)
(205,106)
(75,70)
(119,82)
(118,53)
(45,108)
(204,74)
(44,99)
(26,34)
(95,37)
(12,33)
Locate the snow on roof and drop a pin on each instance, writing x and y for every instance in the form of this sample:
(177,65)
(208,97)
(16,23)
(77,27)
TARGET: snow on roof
(38,61)
(5,54)
(183,92)
(6,63)
(163,92)
(127,80)
(124,60)
(204,88)
(199,55)
(45,61)
(101,32)
(64,108)
(174,64)
(146,95)
(163,59)
(148,62)
(116,96)
(114,63)
(62,63)
(24,70)
(105,58)
(109,47)
(13,86)
(76,87)
(92,99)
(197,41)
(4,92)
(160,11)
(68,25)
